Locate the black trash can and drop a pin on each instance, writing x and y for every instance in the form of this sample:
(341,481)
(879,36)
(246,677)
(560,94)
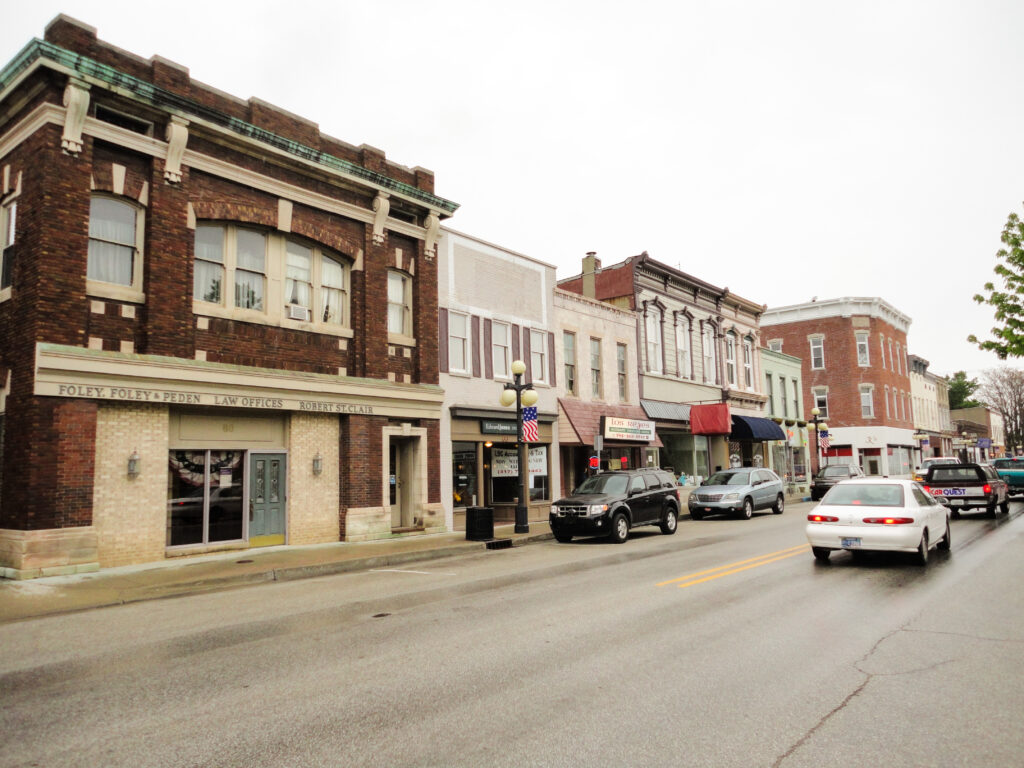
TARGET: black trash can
(479,523)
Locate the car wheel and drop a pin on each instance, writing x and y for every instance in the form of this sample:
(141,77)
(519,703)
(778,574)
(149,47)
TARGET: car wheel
(562,536)
(780,505)
(620,529)
(955,514)
(695,515)
(670,522)
(821,553)
(748,509)
(921,558)
(1005,506)
(946,542)
(990,510)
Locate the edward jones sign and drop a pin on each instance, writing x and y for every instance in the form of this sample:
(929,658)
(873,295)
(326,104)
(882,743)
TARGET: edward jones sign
(627,429)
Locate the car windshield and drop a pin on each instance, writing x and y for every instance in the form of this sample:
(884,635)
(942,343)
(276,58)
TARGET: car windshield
(937,462)
(1005,463)
(737,477)
(953,472)
(610,484)
(834,472)
(867,495)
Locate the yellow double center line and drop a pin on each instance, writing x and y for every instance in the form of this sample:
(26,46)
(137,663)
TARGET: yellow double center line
(743,565)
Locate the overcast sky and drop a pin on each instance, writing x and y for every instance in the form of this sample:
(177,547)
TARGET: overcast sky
(784,150)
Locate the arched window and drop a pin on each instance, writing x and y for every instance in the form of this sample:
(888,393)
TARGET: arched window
(653,333)
(683,362)
(730,358)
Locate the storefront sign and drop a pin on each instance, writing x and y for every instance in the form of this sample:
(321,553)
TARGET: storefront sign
(488,427)
(627,429)
(505,463)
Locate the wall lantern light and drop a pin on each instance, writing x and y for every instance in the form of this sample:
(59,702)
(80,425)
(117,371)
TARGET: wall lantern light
(318,463)
(133,464)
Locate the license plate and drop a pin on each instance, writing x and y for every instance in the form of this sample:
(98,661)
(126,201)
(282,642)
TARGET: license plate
(850,542)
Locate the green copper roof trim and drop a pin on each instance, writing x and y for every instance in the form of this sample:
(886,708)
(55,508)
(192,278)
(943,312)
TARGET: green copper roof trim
(157,96)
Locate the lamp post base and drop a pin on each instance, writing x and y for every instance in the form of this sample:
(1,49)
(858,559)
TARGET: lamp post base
(522,520)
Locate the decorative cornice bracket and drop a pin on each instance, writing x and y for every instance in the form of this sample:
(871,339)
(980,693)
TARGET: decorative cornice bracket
(381,208)
(177,138)
(76,103)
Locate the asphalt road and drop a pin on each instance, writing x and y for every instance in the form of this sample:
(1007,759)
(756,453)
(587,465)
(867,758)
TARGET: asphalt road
(724,645)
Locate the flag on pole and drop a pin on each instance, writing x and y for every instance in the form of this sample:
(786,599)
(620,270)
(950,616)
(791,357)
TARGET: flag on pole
(530,434)
(823,440)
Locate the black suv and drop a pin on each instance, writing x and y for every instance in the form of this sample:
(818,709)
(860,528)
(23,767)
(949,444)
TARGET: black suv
(829,476)
(610,503)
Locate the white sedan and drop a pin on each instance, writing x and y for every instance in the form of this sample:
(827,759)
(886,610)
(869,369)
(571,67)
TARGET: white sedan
(873,513)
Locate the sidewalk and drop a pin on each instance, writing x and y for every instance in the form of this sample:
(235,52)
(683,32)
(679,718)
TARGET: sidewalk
(116,586)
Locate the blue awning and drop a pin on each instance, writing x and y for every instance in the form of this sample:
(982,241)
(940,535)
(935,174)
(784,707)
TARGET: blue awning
(755,428)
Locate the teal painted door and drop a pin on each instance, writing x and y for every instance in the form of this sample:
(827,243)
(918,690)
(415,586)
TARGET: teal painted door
(266,499)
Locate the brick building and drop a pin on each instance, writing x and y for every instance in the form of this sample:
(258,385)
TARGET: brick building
(218,326)
(856,372)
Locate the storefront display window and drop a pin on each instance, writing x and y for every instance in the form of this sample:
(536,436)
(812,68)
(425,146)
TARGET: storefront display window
(505,475)
(686,454)
(463,474)
(205,490)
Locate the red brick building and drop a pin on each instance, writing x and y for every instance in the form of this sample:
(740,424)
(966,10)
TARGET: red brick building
(855,371)
(218,326)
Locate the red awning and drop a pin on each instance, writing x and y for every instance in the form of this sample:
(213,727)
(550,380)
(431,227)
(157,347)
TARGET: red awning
(710,419)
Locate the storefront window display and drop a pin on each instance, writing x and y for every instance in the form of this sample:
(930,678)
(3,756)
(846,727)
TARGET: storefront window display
(463,474)
(505,474)
(686,454)
(204,496)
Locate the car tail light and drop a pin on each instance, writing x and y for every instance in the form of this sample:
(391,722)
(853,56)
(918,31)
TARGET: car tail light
(927,488)
(987,489)
(822,519)
(888,520)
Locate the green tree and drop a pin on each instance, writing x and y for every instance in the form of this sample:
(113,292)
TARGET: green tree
(1007,302)
(960,390)
(1002,389)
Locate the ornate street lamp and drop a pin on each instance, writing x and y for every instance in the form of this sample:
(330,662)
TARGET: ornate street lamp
(819,426)
(521,394)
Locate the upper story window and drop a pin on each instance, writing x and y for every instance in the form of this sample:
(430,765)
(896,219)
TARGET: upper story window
(653,333)
(569,360)
(399,304)
(595,368)
(539,356)
(796,397)
(8,219)
(236,267)
(501,336)
(820,396)
(863,356)
(867,402)
(620,368)
(710,350)
(899,362)
(887,411)
(458,342)
(782,392)
(770,391)
(817,352)
(730,358)
(892,360)
(115,248)
(775,345)
(881,348)
(683,349)
(748,363)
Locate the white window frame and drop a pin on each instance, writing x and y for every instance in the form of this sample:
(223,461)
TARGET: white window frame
(276,307)
(539,356)
(867,407)
(500,353)
(775,345)
(748,363)
(710,349)
(569,362)
(863,352)
(730,358)
(596,365)
(131,292)
(770,391)
(405,335)
(8,232)
(899,360)
(888,413)
(785,402)
(881,348)
(796,398)
(683,361)
(892,360)
(817,343)
(621,356)
(653,331)
(458,342)
(819,395)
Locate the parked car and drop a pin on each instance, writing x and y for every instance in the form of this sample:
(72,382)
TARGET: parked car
(611,503)
(878,514)
(828,476)
(739,492)
(1011,469)
(935,461)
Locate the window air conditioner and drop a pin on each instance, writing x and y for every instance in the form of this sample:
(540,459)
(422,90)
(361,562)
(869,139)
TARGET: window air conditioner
(295,312)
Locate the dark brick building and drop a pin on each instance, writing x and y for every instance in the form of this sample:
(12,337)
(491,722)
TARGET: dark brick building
(856,372)
(218,326)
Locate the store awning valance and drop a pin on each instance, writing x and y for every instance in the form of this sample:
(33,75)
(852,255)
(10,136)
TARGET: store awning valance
(755,428)
(585,420)
(710,419)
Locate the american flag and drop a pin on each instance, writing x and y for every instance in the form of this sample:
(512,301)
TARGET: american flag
(530,425)
(823,440)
